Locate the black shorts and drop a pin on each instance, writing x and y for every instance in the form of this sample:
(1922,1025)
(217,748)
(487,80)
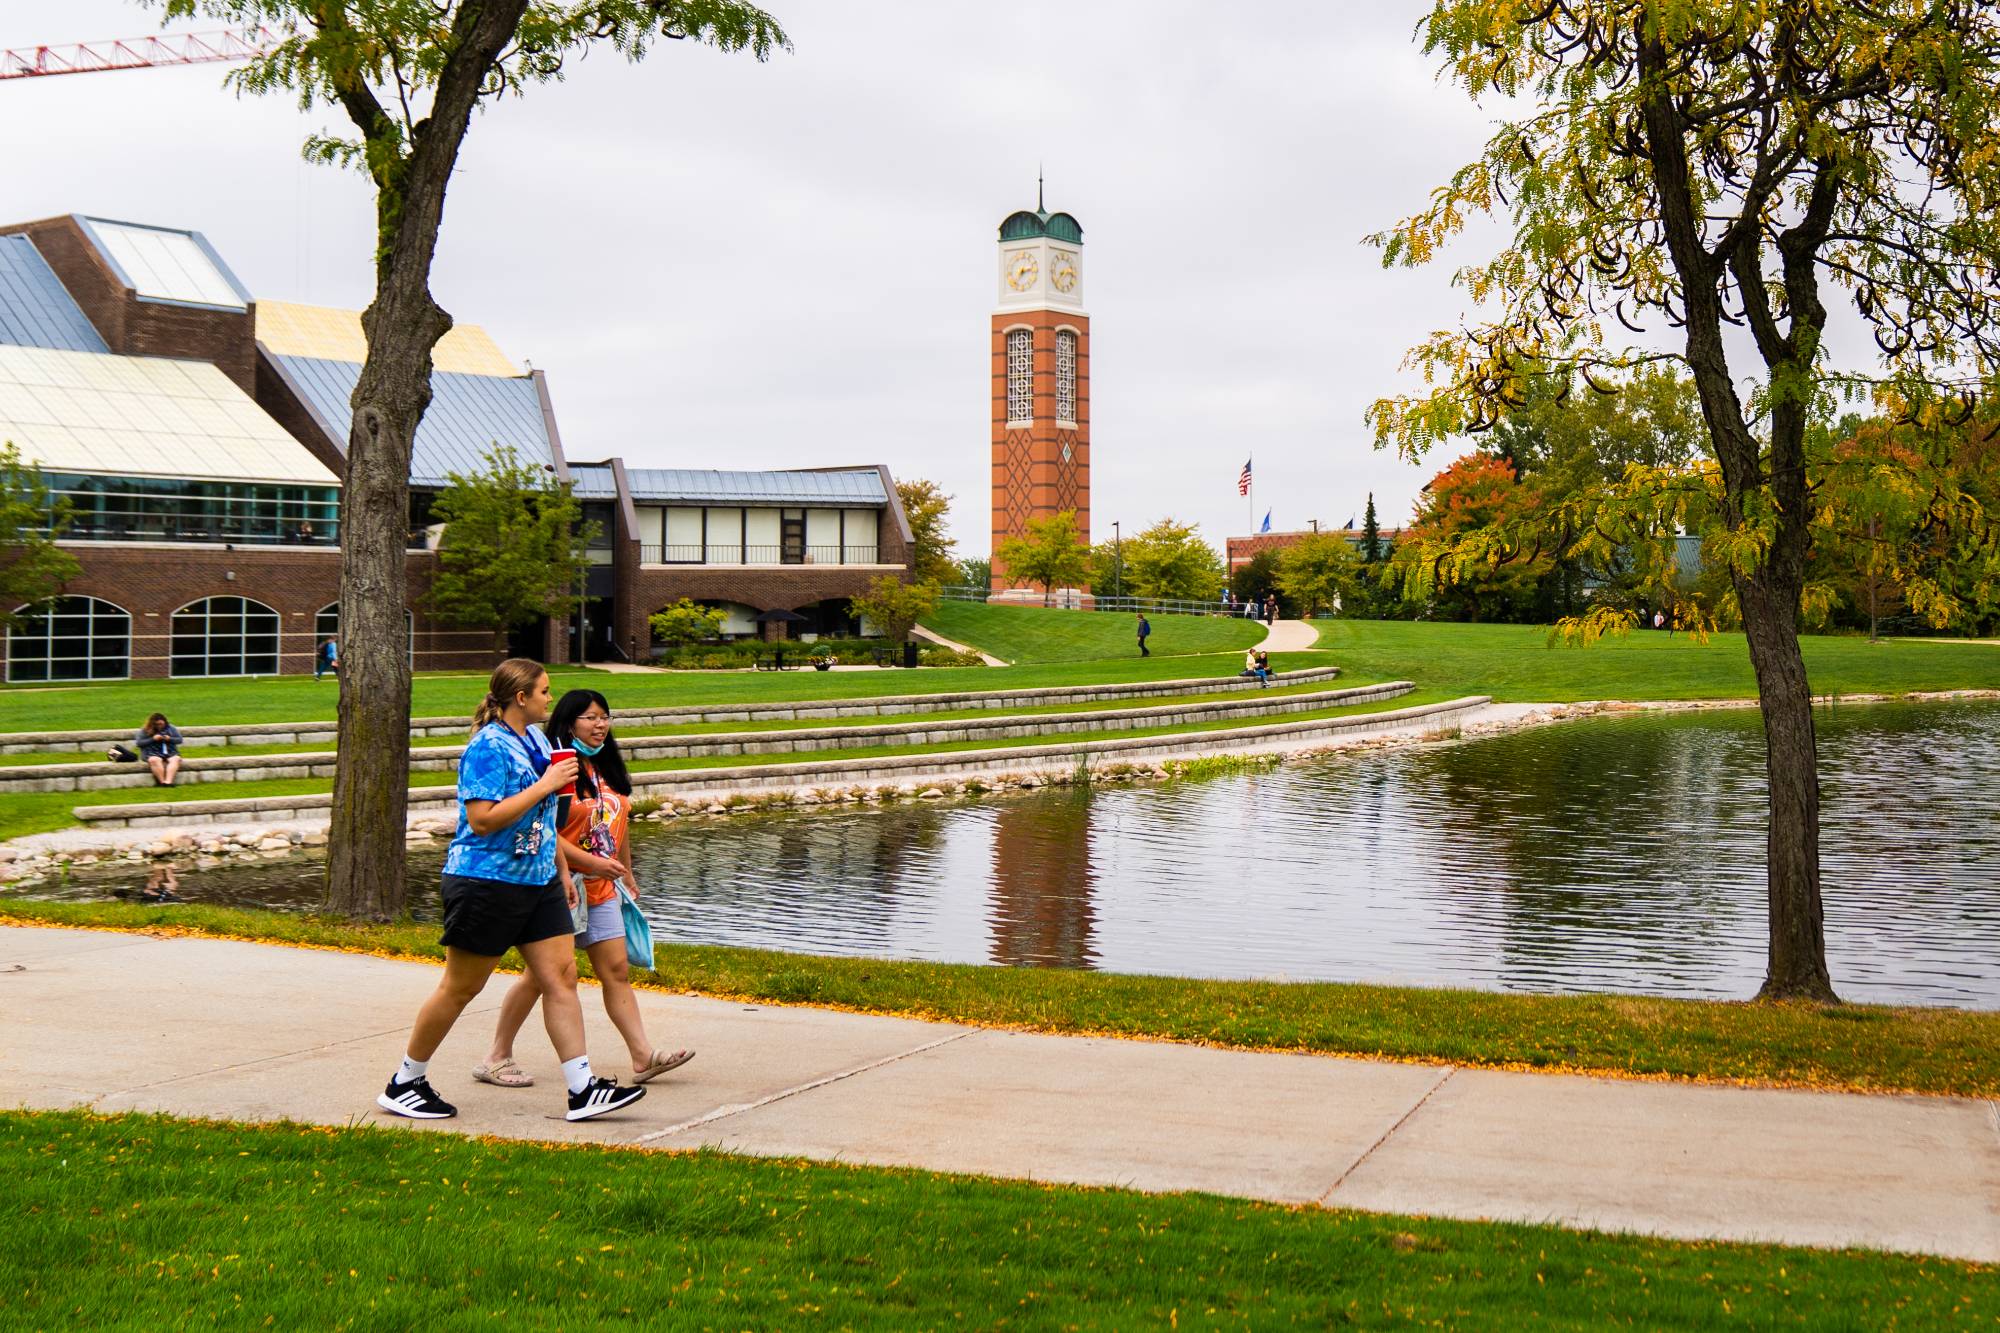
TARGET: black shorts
(490,916)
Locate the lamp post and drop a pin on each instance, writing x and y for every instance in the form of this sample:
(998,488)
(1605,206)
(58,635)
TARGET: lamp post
(1117,560)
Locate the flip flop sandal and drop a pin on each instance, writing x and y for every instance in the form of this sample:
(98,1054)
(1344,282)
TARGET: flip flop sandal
(505,1074)
(661,1064)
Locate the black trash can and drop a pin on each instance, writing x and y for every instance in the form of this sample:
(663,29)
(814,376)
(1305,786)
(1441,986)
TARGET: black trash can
(910,653)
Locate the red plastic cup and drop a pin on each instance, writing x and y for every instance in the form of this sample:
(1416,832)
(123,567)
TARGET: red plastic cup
(556,757)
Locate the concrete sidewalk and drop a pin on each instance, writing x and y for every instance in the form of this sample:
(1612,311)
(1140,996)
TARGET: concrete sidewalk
(218,1028)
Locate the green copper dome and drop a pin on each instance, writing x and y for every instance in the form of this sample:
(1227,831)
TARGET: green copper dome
(1056,226)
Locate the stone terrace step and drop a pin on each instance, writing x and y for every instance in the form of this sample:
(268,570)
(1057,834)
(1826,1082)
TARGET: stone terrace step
(310,733)
(892,770)
(438,759)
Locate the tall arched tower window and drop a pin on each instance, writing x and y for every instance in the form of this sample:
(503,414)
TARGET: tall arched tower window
(1065,376)
(1020,375)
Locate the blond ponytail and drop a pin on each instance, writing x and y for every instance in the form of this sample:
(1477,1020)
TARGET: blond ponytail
(513,677)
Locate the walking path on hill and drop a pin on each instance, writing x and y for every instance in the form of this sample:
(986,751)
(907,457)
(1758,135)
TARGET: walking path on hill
(932,636)
(219,1028)
(1289,636)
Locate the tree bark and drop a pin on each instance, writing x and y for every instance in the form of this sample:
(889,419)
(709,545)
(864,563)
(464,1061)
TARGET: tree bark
(1795,948)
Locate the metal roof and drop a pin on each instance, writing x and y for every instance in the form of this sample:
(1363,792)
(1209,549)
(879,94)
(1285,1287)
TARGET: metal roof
(1056,226)
(858,486)
(166,263)
(35,308)
(142,416)
(468,415)
(593,482)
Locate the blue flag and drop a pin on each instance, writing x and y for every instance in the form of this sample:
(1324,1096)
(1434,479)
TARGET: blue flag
(1267,522)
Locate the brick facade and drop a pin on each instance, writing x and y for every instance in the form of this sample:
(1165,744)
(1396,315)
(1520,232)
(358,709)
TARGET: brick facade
(1031,477)
(151,581)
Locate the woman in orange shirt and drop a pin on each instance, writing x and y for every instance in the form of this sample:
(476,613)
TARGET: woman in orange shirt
(596,846)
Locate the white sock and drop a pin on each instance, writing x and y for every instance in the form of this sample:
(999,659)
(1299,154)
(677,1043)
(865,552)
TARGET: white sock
(411,1070)
(576,1073)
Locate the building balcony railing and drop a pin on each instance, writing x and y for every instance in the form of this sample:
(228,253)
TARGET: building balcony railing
(734,553)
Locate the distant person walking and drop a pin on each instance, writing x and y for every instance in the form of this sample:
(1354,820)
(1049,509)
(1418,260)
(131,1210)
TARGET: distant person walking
(597,847)
(159,744)
(1145,631)
(326,658)
(505,887)
(1270,609)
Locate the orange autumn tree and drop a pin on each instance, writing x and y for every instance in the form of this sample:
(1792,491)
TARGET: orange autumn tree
(1448,577)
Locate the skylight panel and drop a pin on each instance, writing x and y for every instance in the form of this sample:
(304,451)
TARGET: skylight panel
(167,265)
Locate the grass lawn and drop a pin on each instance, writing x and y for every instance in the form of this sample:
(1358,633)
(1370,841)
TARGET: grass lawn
(1867,1047)
(1030,634)
(149,1222)
(1515,663)
(125,703)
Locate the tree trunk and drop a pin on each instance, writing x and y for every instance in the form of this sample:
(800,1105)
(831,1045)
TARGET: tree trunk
(1795,952)
(365,853)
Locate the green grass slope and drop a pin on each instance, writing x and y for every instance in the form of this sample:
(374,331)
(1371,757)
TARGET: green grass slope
(1029,634)
(1515,662)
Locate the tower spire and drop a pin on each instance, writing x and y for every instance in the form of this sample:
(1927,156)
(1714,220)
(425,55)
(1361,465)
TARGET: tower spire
(1040,207)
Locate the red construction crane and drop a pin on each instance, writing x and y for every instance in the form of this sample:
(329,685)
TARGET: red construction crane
(167,48)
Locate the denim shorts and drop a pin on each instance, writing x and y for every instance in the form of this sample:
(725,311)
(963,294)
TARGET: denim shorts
(607,922)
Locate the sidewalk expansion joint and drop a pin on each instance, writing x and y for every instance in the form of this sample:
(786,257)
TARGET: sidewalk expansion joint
(738,1108)
(1388,1134)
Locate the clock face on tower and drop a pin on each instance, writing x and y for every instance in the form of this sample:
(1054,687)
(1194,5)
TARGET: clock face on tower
(1022,270)
(1062,271)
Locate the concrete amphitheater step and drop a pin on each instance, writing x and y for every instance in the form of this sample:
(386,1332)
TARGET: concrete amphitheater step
(438,759)
(322,731)
(893,770)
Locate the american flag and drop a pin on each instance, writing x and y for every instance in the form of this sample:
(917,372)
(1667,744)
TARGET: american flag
(1243,481)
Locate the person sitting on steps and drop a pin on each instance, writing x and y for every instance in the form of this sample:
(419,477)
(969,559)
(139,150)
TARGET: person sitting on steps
(159,744)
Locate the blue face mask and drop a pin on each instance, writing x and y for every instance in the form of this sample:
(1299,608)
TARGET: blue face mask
(588,751)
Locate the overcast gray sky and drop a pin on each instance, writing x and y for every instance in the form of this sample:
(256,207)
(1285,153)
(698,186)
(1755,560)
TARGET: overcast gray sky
(722,264)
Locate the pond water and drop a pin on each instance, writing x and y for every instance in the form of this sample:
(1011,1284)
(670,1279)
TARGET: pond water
(1618,854)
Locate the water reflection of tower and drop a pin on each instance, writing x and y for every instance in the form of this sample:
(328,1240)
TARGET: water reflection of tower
(1042,910)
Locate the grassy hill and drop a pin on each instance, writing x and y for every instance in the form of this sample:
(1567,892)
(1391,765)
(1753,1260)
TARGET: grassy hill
(1037,634)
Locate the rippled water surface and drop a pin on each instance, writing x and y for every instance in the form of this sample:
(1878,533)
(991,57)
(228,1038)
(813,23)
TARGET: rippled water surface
(1618,854)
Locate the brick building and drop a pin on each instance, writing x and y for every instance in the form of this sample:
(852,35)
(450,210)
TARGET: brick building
(1240,551)
(199,436)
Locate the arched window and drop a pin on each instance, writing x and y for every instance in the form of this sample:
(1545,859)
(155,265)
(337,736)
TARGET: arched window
(224,636)
(326,625)
(1065,375)
(70,638)
(1020,375)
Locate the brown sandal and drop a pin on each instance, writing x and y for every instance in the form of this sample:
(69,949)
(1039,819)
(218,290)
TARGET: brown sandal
(660,1064)
(503,1074)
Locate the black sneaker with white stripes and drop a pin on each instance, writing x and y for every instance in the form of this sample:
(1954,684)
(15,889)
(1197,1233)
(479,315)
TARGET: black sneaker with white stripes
(417,1100)
(601,1096)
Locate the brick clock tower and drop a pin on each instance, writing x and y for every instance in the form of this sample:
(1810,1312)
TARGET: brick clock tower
(1041,378)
